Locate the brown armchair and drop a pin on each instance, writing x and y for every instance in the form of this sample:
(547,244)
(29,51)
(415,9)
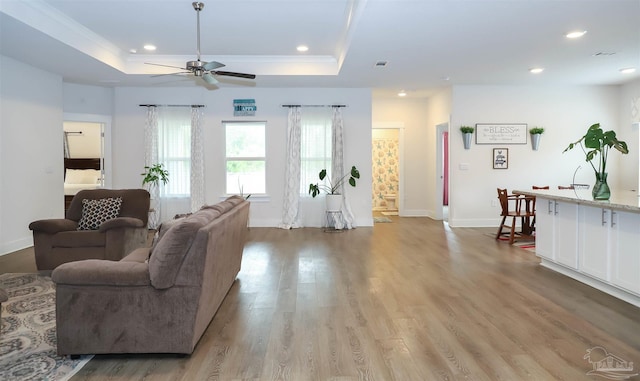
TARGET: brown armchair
(58,241)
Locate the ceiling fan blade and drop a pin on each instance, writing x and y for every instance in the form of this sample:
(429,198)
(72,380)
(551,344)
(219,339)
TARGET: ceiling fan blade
(209,78)
(175,67)
(232,74)
(177,73)
(213,65)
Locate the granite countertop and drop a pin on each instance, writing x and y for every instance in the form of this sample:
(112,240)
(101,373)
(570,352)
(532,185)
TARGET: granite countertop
(628,201)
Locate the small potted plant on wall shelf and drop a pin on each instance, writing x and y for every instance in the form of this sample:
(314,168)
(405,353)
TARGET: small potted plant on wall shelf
(334,198)
(535,137)
(467,132)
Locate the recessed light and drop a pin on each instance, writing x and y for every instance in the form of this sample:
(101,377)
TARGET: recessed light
(628,70)
(133,51)
(302,48)
(576,34)
(149,47)
(536,70)
(402,93)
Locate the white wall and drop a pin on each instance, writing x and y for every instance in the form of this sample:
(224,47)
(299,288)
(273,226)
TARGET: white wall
(128,140)
(564,112)
(31,163)
(630,176)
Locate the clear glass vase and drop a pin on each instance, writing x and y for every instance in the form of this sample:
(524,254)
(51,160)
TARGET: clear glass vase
(601,189)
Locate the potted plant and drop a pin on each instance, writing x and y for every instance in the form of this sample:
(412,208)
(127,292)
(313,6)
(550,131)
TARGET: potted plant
(334,198)
(535,137)
(153,175)
(599,142)
(467,132)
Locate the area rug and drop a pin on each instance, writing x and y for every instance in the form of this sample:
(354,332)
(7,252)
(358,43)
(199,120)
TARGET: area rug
(381,219)
(28,331)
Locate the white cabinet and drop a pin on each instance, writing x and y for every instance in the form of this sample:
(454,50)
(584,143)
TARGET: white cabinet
(545,222)
(594,241)
(625,250)
(557,231)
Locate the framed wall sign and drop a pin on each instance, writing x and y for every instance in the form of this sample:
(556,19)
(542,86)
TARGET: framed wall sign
(500,158)
(501,133)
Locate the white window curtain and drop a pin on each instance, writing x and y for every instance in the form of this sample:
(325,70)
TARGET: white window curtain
(173,137)
(314,142)
(337,167)
(151,158)
(197,159)
(292,172)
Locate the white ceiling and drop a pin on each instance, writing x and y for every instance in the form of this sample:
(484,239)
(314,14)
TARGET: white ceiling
(428,43)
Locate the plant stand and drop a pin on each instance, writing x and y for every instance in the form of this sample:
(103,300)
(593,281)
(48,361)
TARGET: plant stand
(334,218)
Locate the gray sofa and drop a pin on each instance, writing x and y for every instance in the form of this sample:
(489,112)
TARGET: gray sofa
(158,299)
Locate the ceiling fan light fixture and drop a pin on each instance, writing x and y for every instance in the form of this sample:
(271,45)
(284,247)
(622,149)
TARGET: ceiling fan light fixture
(202,69)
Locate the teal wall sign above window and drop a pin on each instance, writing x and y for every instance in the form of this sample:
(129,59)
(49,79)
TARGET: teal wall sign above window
(244,107)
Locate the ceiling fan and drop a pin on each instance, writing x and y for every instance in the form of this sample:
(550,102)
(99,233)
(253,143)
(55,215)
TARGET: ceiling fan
(201,69)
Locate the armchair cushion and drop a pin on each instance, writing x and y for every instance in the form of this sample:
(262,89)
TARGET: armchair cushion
(121,222)
(95,212)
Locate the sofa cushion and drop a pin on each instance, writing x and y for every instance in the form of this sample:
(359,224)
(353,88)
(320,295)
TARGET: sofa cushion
(95,212)
(169,252)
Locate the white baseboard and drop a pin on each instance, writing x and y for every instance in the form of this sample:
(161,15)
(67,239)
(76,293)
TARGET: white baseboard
(415,213)
(19,244)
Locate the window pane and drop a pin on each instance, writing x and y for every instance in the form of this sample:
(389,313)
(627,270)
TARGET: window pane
(245,140)
(246,177)
(174,150)
(245,152)
(315,147)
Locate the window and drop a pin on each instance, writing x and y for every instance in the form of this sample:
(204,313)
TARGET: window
(174,150)
(315,146)
(245,157)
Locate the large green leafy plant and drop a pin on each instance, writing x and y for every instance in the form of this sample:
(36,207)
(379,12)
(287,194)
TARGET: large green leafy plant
(598,143)
(154,174)
(333,188)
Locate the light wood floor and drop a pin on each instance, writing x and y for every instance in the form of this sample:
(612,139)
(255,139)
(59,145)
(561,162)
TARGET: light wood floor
(407,300)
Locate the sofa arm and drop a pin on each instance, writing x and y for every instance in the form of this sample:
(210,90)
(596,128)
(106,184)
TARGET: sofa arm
(97,272)
(121,222)
(52,226)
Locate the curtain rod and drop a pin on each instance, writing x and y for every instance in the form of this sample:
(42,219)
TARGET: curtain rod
(335,106)
(172,105)
(73,132)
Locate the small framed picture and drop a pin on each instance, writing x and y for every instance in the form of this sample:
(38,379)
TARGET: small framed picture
(500,158)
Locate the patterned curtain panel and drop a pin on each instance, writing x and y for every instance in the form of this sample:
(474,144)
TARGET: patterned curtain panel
(292,171)
(385,169)
(338,168)
(197,159)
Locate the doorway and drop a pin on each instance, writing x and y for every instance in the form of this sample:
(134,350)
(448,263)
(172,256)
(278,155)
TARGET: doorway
(88,136)
(442,168)
(387,169)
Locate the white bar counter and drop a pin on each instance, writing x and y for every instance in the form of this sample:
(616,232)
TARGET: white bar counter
(595,242)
